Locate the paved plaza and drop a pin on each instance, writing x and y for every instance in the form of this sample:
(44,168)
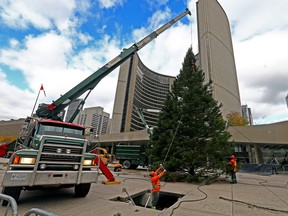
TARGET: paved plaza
(253,195)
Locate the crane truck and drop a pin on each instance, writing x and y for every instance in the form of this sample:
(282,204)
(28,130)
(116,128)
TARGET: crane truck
(53,153)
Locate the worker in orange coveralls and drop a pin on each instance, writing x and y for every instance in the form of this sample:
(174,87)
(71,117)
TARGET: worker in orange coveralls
(233,168)
(155,181)
(117,167)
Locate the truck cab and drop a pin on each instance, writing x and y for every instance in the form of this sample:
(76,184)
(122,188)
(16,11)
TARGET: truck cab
(39,127)
(51,154)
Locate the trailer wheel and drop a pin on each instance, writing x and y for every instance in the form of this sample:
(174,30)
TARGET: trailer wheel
(13,192)
(82,190)
(126,164)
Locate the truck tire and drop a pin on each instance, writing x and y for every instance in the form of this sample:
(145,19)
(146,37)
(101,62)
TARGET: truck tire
(126,164)
(13,192)
(82,190)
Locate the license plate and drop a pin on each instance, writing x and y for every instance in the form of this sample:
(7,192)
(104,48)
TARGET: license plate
(19,177)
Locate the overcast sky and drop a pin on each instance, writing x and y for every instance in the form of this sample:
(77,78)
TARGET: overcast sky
(58,43)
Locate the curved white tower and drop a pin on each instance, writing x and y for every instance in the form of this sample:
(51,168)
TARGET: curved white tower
(216,54)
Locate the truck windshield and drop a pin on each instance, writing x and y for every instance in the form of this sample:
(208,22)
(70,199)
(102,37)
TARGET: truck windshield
(52,128)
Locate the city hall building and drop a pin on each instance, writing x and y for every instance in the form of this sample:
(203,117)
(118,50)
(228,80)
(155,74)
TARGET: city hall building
(138,87)
(216,54)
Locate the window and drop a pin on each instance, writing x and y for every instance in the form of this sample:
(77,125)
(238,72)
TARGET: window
(60,129)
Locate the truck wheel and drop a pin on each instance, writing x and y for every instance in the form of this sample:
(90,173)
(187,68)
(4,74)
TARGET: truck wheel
(13,192)
(82,190)
(126,164)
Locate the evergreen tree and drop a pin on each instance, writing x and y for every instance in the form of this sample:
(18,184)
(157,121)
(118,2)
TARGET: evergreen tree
(191,132)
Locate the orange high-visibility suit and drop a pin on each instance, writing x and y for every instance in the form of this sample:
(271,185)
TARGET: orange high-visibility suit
(155,181)
(234,168)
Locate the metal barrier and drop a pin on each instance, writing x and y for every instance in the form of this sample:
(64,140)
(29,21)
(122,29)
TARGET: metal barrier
(265,169)
(11,204)
(40,212)
(12,207)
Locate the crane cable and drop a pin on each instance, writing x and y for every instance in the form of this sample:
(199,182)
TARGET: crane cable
(179,122)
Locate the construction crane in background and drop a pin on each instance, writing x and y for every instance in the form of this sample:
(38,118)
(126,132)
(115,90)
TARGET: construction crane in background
(141,116)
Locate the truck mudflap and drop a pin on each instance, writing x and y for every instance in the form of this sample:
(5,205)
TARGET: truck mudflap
(24,178)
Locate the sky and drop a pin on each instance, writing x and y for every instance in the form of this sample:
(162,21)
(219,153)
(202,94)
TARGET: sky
(58,43)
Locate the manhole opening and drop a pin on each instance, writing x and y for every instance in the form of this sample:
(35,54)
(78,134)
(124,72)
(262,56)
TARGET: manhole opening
(166,199)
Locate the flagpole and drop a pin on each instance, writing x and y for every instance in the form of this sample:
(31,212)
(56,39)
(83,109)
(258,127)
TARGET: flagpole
(35,102)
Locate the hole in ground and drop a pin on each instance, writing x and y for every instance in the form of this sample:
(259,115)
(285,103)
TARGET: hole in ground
(166,199)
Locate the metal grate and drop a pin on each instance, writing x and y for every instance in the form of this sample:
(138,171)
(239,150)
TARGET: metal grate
(60,158)
(61,151)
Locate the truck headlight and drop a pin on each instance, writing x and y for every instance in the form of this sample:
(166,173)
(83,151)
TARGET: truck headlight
(88,162)
(27,160)
(24,160)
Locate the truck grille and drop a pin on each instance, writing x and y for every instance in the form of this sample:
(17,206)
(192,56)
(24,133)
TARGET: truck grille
(57,152)
(60,158)
(61,150)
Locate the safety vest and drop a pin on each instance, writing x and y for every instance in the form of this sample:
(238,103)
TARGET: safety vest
(155,181)
(233,163)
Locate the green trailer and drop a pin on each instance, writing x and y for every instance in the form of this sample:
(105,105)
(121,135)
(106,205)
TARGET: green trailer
(131,156)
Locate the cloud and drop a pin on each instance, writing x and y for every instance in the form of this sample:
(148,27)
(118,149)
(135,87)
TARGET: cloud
(39,14)
(165,53)
(13,42)
(49,58)
(110,3)
(259,34)
(158,17)
(42,59)
(263,72)
(44,51)
(15,102)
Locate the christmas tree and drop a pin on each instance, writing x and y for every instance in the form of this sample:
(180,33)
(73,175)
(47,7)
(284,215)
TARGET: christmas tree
(191,134)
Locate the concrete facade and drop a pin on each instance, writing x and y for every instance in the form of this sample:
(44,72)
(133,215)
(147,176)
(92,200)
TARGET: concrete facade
(138,87)
(12,127)
(94,117)
(216,54)
(260,137)
(247,114)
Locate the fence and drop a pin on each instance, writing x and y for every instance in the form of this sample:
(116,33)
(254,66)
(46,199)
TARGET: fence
(12,209)
(264,169)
